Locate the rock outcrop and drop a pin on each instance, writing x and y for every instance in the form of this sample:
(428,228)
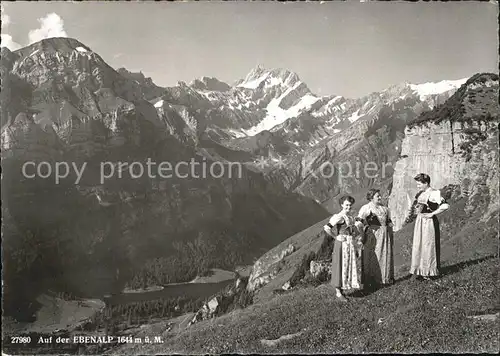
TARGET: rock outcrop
(149,89)
(320,269)
(232,297)
(267,267)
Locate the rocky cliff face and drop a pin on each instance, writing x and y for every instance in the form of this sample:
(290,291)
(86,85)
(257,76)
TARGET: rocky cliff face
(453,146)
(439,151)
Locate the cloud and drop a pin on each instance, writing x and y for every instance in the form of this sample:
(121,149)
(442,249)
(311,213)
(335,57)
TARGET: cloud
(118,55)
(9,43)
(7,40)
(52,25)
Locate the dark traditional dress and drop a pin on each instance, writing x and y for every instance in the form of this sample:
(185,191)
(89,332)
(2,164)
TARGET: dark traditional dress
(346,257)
(425,258)
(378,256)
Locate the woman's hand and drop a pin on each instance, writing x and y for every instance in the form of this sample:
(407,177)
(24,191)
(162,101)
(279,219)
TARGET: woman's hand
(359,227)
(341,238)
(427,215)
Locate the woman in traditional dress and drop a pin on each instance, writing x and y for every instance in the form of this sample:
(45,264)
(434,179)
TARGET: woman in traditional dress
(378,258)
(425,258)
(346,256)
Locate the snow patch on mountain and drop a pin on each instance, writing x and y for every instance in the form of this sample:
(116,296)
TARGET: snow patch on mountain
(253,84)
(426,89)
(273,81)
(236,133)
(355,116)
(205,94)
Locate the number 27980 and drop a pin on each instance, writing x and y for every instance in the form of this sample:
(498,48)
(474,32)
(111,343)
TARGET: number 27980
(20,339)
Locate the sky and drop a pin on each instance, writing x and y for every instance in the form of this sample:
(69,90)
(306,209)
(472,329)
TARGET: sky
(339,48)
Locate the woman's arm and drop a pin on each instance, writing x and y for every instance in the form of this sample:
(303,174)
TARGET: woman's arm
(436,197)
(412,211)
(330,228)
(363,212)
(360,220)
(360,226)
(409,209)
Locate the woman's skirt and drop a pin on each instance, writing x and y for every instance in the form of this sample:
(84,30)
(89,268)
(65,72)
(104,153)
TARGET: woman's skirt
(346,266)
(378,255)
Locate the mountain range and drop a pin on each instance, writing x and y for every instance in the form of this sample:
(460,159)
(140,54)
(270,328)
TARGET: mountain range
(272,122)
(276,100)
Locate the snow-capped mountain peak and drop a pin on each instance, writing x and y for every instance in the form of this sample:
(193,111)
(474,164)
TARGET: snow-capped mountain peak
(260,77)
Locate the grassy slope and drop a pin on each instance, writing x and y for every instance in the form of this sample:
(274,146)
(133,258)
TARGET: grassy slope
(409,316)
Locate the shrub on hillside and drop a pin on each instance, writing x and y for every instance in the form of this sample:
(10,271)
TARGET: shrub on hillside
(473,137)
